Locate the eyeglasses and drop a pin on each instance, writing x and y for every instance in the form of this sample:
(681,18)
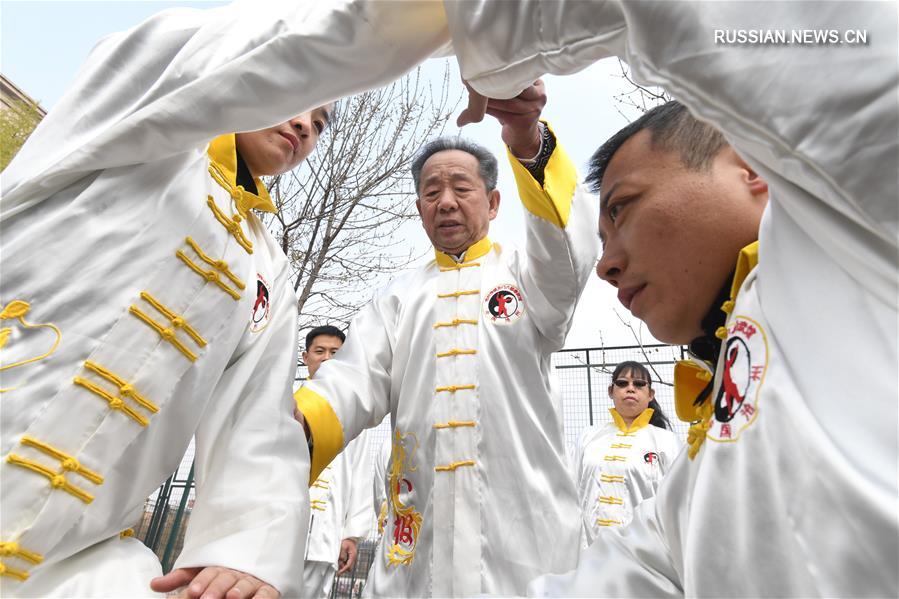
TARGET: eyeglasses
(623,383)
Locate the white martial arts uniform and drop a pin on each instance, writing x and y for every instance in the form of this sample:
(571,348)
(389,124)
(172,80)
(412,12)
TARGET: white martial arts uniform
(340,509)
(116,350)
(617,466)
(794,494)
(379,484)
(459,354)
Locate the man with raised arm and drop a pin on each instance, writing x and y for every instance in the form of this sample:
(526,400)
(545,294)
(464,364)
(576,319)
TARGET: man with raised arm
(780,330)
(458,353)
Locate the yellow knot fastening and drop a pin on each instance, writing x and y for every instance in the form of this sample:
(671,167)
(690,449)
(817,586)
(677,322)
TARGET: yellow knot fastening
(7,549)
(116,404)
(167,334)
(236,218)
(178,322)
(696,437)
(15,309)
(721,333)
(704,375)
(70,464)
(727,307)
(58,481)
(220,264)
(126,390)
(211,276)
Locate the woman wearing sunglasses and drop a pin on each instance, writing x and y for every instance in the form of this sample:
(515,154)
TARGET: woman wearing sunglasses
(620,463)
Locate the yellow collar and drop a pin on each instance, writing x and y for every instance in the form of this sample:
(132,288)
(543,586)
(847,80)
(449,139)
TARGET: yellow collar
(473,252)
(223,155)
(639,422)
(691,377)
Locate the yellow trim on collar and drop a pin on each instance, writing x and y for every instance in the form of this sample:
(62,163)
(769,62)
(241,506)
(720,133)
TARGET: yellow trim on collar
(478,250)
(327,433)
(746,261)
(691,378)
(639,422)
(223,152)
(552,201)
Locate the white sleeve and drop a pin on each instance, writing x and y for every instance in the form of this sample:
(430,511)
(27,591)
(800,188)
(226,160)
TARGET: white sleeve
(185,76)
(562,243)
(352,392)
(821,118)
(358,507)
(252,466)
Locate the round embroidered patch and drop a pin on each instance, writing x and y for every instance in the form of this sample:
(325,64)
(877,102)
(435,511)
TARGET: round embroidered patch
(745,362)
(651,458)
(504,304)
(261,305)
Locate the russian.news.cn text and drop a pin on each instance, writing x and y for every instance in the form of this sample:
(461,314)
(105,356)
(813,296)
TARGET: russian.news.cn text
(787,37)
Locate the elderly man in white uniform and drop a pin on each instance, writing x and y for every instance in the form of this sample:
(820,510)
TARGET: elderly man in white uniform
(340,510)
(777,453)
(144,303)
(458,353)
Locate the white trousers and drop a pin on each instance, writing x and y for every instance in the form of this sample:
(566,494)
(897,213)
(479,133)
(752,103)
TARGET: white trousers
(317,579)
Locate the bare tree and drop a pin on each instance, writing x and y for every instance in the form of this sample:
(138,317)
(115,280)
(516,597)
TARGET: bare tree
(638,96)
(341,214)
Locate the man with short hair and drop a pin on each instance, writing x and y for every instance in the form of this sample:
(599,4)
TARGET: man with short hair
(341,512)
(479,494)
(144,304)
(796,441)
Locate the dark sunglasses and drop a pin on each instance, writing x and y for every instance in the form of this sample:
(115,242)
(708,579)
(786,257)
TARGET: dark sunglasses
(623,383)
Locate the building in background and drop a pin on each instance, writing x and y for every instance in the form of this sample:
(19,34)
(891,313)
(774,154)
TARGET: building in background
(19,115)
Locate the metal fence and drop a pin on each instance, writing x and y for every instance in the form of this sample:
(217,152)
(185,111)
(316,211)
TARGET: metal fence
(582,379)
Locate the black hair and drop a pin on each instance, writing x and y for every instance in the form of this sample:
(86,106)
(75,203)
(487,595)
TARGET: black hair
(637,369)
(671,128)
(326,329)
(487,165)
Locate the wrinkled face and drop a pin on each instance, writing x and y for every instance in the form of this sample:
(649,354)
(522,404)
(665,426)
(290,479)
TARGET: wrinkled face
(671,235)
(321,350)
(278,149)
(454,204)
(630,400)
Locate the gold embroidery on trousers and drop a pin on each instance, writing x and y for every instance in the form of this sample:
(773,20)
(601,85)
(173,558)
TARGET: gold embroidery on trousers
(168,334)
(57,478)
(124,391)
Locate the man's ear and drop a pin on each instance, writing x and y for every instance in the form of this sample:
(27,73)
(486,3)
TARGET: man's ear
(493,203)
(305,356)
(418,206)
(757,186)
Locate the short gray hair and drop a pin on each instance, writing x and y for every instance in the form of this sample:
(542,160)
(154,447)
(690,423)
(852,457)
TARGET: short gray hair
(487,165)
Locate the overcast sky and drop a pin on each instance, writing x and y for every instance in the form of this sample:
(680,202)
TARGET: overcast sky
(42,45)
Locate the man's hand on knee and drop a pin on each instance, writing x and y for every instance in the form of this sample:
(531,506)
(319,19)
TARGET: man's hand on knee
(213,582)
